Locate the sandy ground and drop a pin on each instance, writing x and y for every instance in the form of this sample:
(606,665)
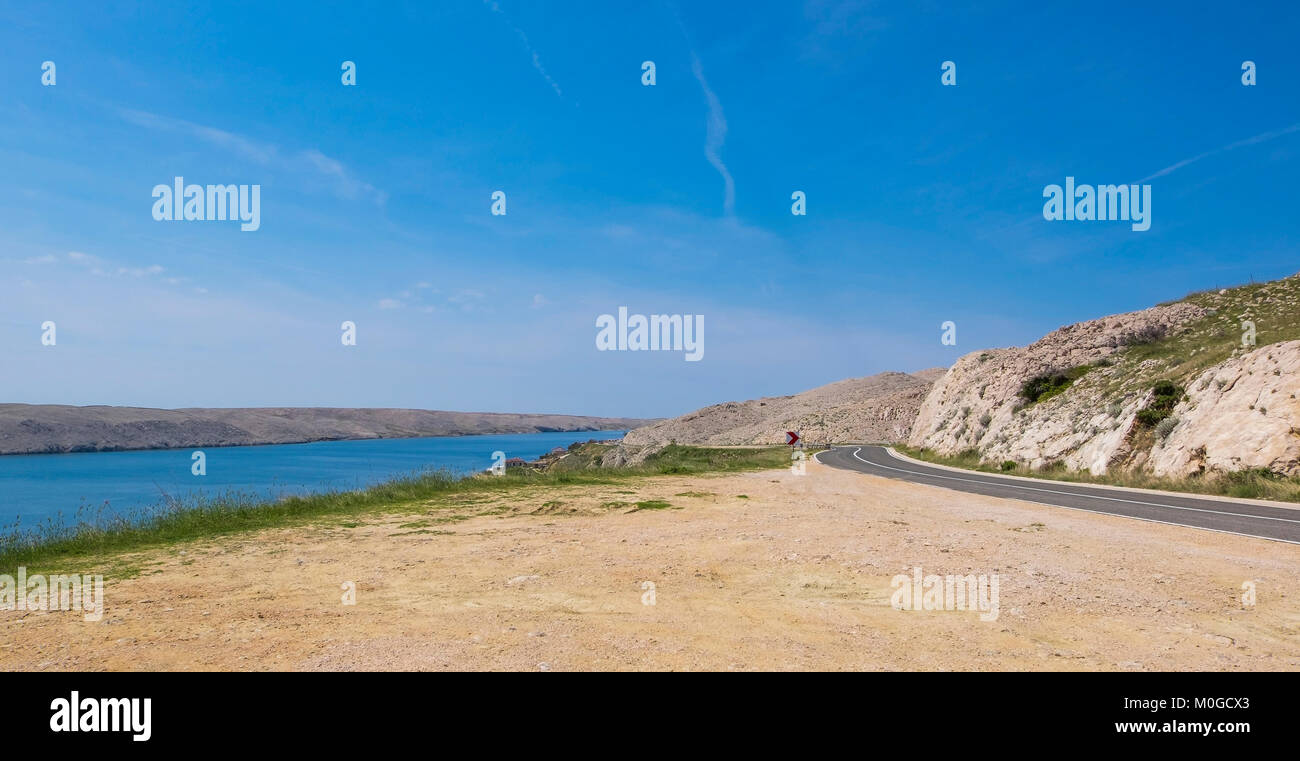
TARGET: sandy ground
(795,574)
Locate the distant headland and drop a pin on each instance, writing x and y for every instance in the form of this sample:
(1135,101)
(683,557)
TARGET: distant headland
(56,428)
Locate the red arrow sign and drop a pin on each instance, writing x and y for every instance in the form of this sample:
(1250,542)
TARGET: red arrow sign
(791,438)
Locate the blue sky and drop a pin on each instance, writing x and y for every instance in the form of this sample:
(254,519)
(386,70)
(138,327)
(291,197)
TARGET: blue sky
(924,201)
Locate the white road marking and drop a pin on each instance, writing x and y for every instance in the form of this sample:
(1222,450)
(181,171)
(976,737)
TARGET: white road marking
(1116,515)
(1071,494)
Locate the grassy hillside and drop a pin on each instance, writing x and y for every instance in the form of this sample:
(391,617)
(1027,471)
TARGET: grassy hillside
(1274,307)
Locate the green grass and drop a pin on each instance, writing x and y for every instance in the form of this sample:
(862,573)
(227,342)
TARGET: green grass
(1250,484)
(96,538)
(1274,307)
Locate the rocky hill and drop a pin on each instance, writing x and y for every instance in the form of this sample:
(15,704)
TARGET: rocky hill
(879,408)
(1178,389)
(39,429)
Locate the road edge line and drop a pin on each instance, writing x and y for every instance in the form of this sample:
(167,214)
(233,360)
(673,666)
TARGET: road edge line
(1133,490)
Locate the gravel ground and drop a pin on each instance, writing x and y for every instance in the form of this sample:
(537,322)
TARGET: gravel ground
(756,571)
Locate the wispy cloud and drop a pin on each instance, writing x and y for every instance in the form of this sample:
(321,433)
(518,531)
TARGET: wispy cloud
(528,47)
(425,298)
(153,269)
(308,160)
(100,267)
(348,186)
(1260,138)
(468,299)
(249,149)
(715,136)
(97,266)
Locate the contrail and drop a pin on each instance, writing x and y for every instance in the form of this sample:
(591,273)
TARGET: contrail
(537,61)
(717,124)
(1264,137)
(716,136)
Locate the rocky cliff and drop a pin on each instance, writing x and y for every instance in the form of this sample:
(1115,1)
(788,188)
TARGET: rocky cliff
(879,408)
(1177,389)
(1240,414)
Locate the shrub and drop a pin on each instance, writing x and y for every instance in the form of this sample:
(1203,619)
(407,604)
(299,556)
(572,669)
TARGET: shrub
(1166,388)
(985,419)
(1165,395)
(1145,335)
(1042,387)
(1007,465)
(1164,427)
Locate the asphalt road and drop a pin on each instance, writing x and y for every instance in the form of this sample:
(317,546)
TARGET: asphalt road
(1261,521)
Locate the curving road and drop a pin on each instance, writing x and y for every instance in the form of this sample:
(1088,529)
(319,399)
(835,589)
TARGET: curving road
(1247,519)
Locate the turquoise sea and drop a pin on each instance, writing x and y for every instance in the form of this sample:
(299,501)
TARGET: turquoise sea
(34,488)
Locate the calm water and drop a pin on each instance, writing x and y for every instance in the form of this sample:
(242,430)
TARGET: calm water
(37,487)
